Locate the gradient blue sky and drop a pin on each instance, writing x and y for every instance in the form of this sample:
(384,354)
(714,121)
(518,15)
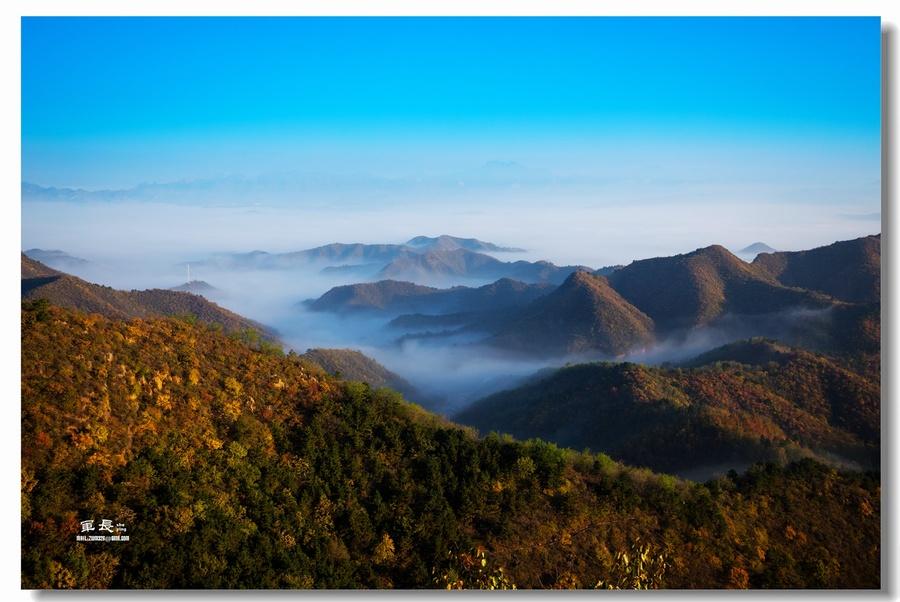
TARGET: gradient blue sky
(112,102)
(592,114)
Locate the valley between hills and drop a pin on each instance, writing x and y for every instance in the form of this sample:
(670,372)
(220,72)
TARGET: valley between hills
(723,413)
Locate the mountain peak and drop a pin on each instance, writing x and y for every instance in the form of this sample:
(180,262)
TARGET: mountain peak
(583,314)
(582,277)
(717,251)
(757,247)
(197,287)
(695,288)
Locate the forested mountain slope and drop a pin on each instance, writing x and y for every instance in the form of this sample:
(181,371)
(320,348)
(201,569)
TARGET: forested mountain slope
(849,270)
(791,405)
(685,291)
(237,467)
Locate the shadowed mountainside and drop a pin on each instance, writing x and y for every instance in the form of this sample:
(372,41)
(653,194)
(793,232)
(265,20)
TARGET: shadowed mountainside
(803,404)
(689,290)
(394,297)
(666,299)
(849,270)
(583,314)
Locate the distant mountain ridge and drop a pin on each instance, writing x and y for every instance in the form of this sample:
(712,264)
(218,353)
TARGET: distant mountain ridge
(56,259)
(468,264)
(421,259)
(445,242)
(339,253)
(632,307)
(756,248)
(352,253)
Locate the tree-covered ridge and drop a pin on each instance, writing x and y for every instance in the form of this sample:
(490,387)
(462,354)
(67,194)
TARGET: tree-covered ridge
(825,299)
(237,467)
(684,291)
(794,404)
(583,314)
(350,364)
(849,269)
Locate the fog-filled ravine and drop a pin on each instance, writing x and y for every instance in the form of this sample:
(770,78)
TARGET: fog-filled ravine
(451,371)
(452,354)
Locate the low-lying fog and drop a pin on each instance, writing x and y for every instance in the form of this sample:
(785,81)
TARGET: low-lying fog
(563,230)
(451,373)
(137,246)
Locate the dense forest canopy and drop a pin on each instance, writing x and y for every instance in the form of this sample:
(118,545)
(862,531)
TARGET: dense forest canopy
(232,465)
(792,404)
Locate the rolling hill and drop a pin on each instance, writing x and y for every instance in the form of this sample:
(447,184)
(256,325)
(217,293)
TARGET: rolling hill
(462,263)
(233,467)
(848,270)
(384,295)
(583,314)
(396,297)
(678,420)
(663,299)
(693,289)
(64,290)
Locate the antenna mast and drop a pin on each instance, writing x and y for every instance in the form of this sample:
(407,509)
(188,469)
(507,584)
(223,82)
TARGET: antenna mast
(189,273)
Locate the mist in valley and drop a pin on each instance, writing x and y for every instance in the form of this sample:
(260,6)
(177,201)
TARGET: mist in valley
(140,246)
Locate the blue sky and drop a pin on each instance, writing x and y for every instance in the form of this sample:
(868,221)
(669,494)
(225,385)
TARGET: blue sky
(112,102)
(622,138)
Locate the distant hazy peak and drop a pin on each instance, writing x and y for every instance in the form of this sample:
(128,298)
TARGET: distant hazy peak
(55,257)
(758,247)
(195,286)
(447,242)
(32,268)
